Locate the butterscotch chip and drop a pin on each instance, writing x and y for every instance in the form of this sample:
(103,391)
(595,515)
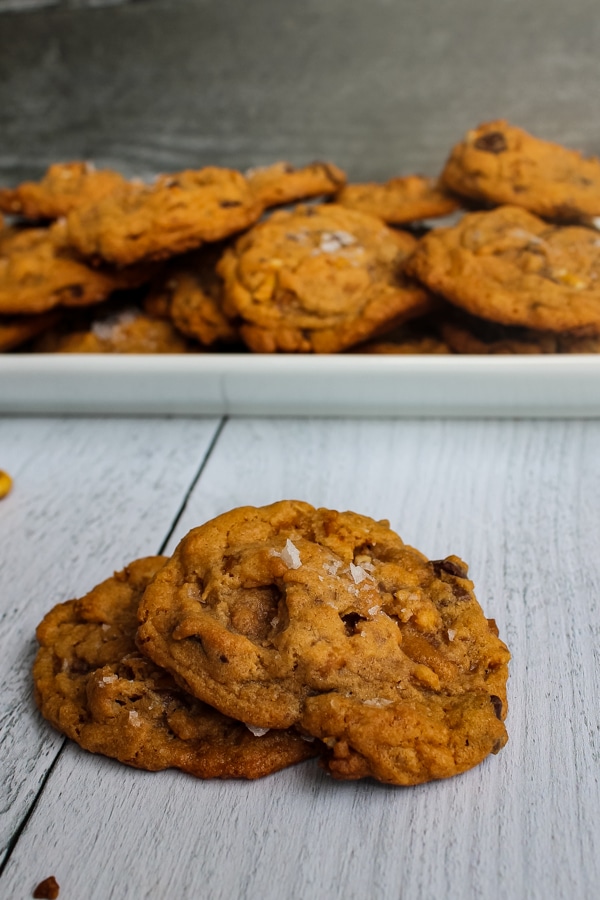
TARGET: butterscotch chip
(38,273)
(191,294)
(509,266)
(177,213)
(17,330)
(64,187)
(400,200)
(318,279)
(282,183)
(5,484)
(92,683)
(127,331)
(498,163)
(290,615)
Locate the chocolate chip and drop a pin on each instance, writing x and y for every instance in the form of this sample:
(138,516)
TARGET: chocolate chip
(227,204)
(223,658)
(497,704)
(79,666)
(449,566)
(351,621)
(494,142)
(48,889)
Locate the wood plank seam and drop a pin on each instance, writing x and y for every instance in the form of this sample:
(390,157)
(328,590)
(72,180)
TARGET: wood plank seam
(193,484)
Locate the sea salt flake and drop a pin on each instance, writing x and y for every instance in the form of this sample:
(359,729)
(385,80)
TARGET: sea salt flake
(290,555)
(105,626)
(134,718)
(378,702)
(332,567)
(451,634)
(256,731)
(374,610)
(106,328)
(358,573)
(110,679)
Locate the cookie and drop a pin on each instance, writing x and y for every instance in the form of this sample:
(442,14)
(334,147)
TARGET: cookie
(509,266)
(17,330)
(177,213)
(468,334)
(37,273)
(129,330)
(290,615)
(92,683)
(400,200)
(64,187)
(418,337)
(318,279)
(282,183)
(191,294)
(500,164)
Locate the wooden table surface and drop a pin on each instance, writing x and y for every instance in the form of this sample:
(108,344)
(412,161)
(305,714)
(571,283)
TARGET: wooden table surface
(518,500)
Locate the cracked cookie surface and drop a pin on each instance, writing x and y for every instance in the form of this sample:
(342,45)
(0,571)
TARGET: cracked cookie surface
(282,183)
(400,200)
(191,294)
(498,163)
(511,267)
(318,279)
(177,213)
(38,273)
(290,615)
(63,188)
(93,684)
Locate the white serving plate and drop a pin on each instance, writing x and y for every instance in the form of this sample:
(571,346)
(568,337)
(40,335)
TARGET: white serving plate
(348,385)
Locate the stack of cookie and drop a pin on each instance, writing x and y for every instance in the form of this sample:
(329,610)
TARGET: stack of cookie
(275,634)
(95,263)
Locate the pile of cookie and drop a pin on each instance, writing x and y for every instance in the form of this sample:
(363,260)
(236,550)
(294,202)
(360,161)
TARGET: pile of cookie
(197,261)
(274,634)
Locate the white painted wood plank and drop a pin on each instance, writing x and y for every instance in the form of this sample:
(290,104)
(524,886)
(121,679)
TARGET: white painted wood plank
(88,497)
(519,501)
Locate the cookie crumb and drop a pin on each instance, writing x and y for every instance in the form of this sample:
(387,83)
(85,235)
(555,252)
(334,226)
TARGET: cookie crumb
(48,889)
(5,484)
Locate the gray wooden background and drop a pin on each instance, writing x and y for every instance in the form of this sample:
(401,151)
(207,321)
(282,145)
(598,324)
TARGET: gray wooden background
(380,86)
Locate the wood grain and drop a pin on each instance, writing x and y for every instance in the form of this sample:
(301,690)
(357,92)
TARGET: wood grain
(88,497)
(519,501)
(382,88)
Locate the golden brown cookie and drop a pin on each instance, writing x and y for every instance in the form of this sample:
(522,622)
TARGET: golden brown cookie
(498,163)
(191,294)
(128,330)
(400,200)
(93,684)
(282,183)
(37,273)
(318,279)
(468,334)
(418,337)
(509,266)
(290,615)
(177,213)
(17,330)
(64,187)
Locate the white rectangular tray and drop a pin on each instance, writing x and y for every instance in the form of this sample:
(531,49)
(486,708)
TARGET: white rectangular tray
(236,384)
